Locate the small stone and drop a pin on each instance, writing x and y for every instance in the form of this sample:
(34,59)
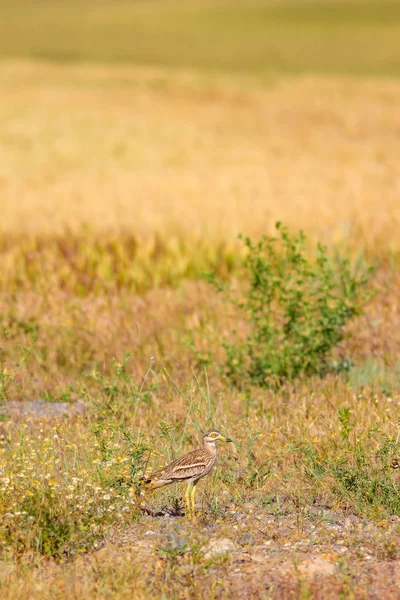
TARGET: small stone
(258,557)
(218,547)
(316,566)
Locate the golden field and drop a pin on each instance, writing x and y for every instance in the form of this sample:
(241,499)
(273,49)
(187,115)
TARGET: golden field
(181,153)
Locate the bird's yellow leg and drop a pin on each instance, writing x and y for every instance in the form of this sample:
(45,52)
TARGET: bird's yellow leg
(188,507)
(192,498)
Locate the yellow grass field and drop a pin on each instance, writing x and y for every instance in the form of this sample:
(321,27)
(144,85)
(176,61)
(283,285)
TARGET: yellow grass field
(145,151)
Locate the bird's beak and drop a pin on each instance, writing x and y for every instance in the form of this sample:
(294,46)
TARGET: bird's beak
(225,439)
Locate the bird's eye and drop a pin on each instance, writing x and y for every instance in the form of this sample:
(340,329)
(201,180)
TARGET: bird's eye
(214,435)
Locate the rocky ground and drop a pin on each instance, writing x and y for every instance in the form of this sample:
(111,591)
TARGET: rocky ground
(249,553)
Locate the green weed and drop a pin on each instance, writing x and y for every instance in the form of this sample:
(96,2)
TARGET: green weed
(295,310)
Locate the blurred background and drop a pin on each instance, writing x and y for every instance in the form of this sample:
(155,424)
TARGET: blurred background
(139,138)
(201,119)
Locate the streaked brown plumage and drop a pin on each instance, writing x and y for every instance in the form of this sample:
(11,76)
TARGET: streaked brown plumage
(190,468)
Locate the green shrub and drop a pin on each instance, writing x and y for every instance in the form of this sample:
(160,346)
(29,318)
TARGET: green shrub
(294,308)
(357,473)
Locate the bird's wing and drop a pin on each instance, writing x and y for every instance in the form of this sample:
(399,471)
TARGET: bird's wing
(187,467)
(189,472)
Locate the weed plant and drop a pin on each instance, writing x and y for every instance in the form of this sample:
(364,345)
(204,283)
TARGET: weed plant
(296,309)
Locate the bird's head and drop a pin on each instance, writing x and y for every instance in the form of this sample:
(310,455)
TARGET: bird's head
(212,436)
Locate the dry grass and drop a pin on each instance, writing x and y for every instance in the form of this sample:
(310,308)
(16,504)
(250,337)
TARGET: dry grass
(302,482)
(200,156)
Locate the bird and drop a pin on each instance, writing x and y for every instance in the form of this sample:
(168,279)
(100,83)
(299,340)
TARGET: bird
(190,468)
